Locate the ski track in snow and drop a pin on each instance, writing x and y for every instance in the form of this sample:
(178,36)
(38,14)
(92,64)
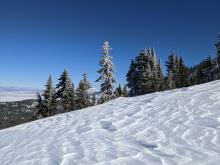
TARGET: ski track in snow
(173,127)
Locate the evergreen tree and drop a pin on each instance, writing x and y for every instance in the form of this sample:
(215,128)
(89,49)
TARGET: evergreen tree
(160,78)
(218,49)
(183,74)
(177,72)
(82,93)
(144,74)
(65,92)
(54,103)
(208,69)
(157,79)
(125,91)
(47,104)
(132,79)
(217,61)
(118,91)
(40,106)
(106,72)
(48,97)
(171,71)
(205,71)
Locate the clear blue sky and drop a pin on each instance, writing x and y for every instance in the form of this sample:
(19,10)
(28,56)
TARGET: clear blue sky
(42,37)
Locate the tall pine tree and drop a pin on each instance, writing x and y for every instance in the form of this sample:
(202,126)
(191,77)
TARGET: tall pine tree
(65,92)
(47,103)
(145,73)
(171,71)
(132,79)
(159,78)
(48,97)
(183,74)
(107,77)
(82,93)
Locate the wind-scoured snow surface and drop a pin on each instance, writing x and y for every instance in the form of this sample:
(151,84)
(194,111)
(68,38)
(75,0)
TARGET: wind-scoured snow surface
(172,127)
(9,94)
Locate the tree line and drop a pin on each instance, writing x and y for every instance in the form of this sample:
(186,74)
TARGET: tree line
(64,97)
(144,76)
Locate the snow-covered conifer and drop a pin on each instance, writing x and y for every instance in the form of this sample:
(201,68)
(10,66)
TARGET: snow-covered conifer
(48,97)
(107,75)
(159,78)
(46,104)
(171,70)
(65,92)
(145,74)
(82,93)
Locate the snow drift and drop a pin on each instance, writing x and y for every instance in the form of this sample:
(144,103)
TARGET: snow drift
(172,127)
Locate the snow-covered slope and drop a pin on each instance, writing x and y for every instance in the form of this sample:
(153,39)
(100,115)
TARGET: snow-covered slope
(172,127)
(8,94)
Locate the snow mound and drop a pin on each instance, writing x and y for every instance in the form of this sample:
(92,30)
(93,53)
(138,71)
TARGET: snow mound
(10,94)
(172,127)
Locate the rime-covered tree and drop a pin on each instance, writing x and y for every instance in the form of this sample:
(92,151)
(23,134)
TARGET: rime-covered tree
(48,97)
(157,75)
(171,71)
(47,102)
(82,93)
(107,77)
(145,73)
(154,69)
(65,92)
(160,78)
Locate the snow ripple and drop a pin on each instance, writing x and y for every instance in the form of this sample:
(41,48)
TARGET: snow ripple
(172,127)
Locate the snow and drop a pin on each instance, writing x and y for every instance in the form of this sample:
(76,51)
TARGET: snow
(10,94)
(172,127)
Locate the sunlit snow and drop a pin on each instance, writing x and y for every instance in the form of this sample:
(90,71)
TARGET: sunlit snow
(172,127)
